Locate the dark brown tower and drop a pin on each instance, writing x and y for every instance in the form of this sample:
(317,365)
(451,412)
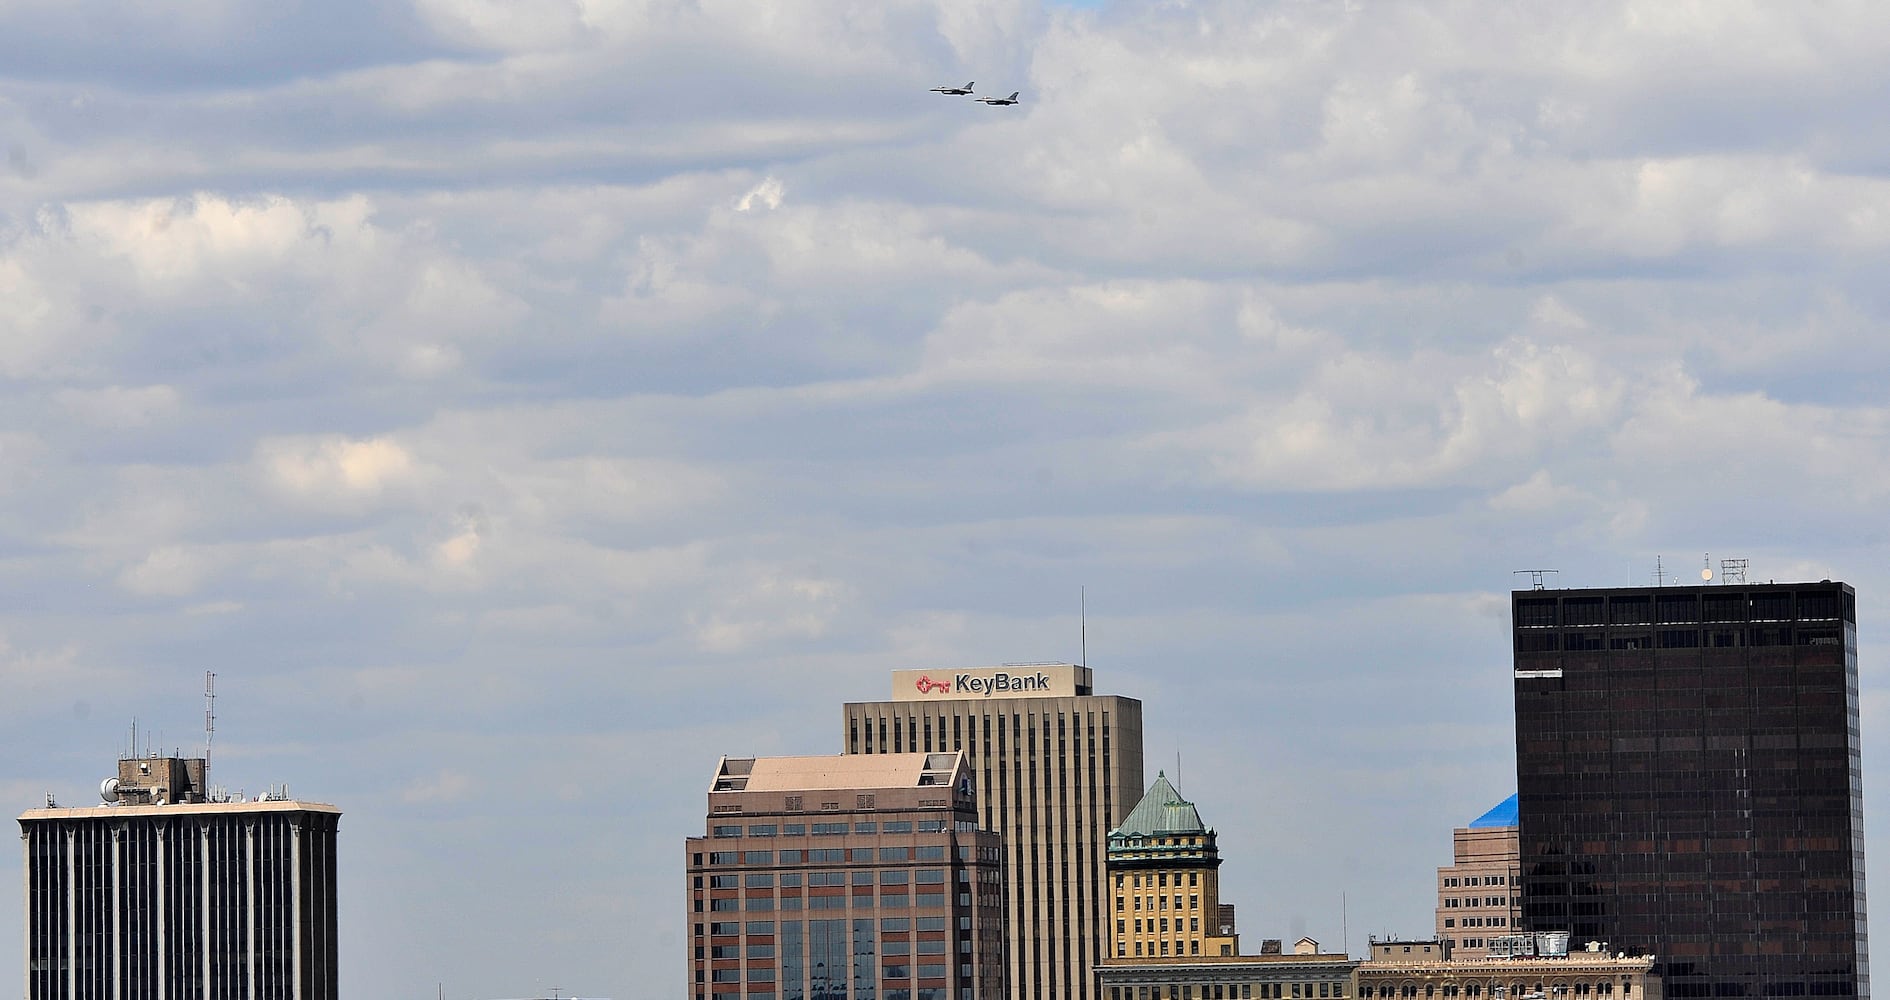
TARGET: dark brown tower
(1689,781)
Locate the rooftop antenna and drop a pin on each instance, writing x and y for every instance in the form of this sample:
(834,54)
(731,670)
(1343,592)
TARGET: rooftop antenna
(1732,571)
(1082,618)
(1660,573)
(209,719)
(1706,567)
(1535,577)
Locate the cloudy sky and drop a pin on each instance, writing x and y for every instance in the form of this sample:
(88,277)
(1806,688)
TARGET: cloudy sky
(519,404)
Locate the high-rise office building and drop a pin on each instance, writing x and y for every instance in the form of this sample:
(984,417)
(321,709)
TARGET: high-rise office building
(1479,894)
(824,878)
(1165,882)
(1689,781)
(171,892)
(1057,768)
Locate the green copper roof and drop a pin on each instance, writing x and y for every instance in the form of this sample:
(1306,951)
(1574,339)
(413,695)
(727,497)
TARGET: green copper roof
(1161,812)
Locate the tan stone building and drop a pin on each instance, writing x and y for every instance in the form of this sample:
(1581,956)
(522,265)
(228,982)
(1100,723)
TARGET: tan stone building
(1415,970)
(1164,882)
(820,878)
(1479,895)
(1057,767)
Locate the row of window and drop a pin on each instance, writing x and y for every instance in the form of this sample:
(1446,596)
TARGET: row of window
(1229,991)
(1194,924)
(1159,880)
(889,993)
(887,925)
(1478,922)
(832,855)
(1683,608)
(793,880)
(1194,902)
(887,901)
(1497,991)
(725,831)
(1122,948)
(890,970)
(1470,880)
(1453,902)
(1676,638)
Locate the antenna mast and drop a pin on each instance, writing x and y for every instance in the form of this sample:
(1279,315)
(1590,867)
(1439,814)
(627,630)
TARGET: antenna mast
(1082,618)
(1536,581)
(209,719)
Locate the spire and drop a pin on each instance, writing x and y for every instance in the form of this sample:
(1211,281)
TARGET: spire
(1162,811)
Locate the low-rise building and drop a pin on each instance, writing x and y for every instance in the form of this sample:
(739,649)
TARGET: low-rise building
(1541,967)
(1306,973)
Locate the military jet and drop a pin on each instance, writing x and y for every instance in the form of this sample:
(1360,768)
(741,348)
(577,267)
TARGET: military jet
(954,91)
(1000,100)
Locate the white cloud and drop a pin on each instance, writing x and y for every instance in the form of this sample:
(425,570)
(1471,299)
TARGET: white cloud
(363,358)
(334,469)
(172,571)
(448,785)
(767,194)
(769,608)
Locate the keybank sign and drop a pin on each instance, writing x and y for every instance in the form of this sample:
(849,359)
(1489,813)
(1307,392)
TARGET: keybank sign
(1001,682)
(1010,680)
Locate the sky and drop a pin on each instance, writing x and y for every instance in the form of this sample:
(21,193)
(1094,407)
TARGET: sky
(520,404)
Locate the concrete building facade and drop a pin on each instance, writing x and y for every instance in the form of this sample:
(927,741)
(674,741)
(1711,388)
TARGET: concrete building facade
(1417,970)
(1057,768)
(1479,894)
(1306,973)
(1165,882)
(845,878)
(164,894)
(1690,781)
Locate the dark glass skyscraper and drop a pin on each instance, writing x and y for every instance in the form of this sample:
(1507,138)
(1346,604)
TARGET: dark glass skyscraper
(1689,781)
(170,891)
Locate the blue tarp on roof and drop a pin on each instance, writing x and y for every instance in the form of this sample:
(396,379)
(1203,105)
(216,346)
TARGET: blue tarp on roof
(1504,814)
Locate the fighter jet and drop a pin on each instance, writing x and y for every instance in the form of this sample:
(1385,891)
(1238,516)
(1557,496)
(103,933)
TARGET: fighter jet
(954,91)
(1000,100)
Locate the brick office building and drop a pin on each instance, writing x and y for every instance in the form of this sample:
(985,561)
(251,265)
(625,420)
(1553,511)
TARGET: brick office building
(824,878)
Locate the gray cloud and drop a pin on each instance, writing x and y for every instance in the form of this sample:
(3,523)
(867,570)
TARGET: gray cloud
(498,395)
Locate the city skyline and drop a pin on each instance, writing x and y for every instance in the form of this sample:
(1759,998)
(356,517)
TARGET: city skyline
(501,396)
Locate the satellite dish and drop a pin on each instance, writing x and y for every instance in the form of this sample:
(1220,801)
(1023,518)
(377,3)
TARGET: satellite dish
(108,789)
(1707,574)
